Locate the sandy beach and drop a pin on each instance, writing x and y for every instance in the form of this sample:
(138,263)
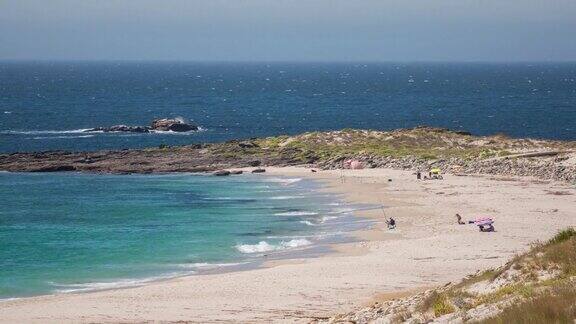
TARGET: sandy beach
(428,248)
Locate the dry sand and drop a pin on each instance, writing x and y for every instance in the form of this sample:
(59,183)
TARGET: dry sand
(428,248)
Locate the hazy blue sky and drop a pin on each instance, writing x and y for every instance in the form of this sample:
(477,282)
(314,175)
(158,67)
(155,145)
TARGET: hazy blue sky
(289,30)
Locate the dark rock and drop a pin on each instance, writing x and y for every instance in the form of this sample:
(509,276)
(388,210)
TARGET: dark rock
(120,128)
(55,168)
(174,125)
(236,172)
(258,171)
(221,173)
(254,163)
(247,144)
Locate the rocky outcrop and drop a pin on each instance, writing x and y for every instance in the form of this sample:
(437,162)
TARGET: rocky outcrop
(159,125)
(172,125)
(417,149)
(120,128)
(542,168)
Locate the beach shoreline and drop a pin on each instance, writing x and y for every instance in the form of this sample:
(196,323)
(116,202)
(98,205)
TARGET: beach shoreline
(427,249)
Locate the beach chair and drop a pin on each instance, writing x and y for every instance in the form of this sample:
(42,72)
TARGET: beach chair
(485,224)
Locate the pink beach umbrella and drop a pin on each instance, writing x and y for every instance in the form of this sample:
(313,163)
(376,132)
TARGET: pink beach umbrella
(483,221)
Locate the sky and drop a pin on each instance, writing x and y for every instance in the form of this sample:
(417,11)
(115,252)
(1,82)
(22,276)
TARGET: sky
(289,30)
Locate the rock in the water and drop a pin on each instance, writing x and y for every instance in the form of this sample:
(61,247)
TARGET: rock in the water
(120,128)
(258,171)
(236,172)
(221,173)
(174,125)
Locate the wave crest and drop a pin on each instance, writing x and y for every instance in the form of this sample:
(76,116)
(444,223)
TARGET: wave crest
(264,246)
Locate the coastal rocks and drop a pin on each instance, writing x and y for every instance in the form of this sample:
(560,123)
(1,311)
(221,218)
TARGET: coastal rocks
(247,144)
(120,128)
(172,125)
(543,167)
(55,168)
(223,173)
(259,170)
(158,125)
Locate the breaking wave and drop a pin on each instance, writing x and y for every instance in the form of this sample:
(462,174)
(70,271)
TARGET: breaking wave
(297,213)
(89,131)
(284,181)
(264,246)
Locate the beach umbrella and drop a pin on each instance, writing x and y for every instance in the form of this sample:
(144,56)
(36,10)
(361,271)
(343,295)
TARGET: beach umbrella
(483,221)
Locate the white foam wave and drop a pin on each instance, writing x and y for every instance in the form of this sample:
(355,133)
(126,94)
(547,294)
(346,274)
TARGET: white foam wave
(58,137)
(284,197)
(264,246)
(284,181)
(200,129)
(204,265)
(318,222)
(297,213)
(93,286)
(90,131)
(41,132)
(327,218)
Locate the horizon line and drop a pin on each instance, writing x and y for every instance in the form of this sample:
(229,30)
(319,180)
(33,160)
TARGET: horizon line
(12,60)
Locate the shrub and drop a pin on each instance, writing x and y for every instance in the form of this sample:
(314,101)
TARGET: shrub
(442,306)
(556,306)
(562,236)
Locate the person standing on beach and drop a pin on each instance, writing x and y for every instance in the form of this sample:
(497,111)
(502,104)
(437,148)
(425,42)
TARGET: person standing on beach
(459,219)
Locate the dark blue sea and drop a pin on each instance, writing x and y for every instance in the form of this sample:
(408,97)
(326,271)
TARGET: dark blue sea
(45,106)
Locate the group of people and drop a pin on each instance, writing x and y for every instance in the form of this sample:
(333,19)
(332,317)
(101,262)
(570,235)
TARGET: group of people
(433,174)
(484,224)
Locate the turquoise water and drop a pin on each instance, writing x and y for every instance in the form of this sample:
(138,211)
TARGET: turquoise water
(77,232)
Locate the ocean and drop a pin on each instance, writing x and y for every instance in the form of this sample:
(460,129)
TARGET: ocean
(71,232)
(45,106)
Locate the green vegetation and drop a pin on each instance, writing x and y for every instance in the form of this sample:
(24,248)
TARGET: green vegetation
(422,143)
(563,236)
(442,306)
(555,306)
